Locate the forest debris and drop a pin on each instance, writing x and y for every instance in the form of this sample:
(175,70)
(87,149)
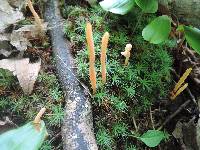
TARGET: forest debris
(17,3)
(104,45)
(191,58)
(8,15)
(6,124)
(26,72)
(174,114)
(177,133)
(5,48)
(92,2)
(31,31)
(90,42)
(19,39)
(127,53)
(191,134)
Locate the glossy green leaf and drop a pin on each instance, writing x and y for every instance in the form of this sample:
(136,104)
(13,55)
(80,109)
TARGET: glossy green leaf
(193,37)
(117,6)
(148,6)
(158,30)
(23,138)
(153,137)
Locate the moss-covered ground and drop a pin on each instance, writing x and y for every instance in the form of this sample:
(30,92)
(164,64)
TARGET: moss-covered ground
(121,106)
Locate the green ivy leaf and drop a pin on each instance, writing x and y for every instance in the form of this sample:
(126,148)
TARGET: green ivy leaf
(153,137)
(148,6)
(118,6)
(158,30)
(23,138)
(193,37)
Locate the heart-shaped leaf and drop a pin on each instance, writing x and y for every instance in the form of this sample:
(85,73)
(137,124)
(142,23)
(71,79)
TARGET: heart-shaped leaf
(158,30)
(148,6)
(117,6)
(193,37)
(153,137)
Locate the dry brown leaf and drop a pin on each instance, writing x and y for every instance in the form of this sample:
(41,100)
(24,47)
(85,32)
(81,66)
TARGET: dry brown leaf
(8,15)
(31,31)
(26,72)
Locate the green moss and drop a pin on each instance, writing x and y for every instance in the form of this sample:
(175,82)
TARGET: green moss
(6,79)
(130,90)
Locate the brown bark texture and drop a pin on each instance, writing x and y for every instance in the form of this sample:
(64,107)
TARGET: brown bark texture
(77,130)
(186,11)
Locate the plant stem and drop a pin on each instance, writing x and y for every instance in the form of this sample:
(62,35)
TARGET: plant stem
(136,26)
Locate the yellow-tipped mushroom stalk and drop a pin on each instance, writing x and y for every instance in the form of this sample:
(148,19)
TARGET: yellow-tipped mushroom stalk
(127,53)
(104,45)
(178,89)
(90,43)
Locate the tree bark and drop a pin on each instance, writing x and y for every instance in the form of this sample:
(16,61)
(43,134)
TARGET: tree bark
(186,11)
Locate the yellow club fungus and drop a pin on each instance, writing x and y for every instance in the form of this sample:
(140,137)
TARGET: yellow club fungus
(179,91)
(182,80)
(37,18)
(38,118)
(127,53)
(90,43)
(39,115)
(104,45)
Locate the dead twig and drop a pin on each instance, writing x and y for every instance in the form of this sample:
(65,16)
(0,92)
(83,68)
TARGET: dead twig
(175,113)
(134,123)
(151,117)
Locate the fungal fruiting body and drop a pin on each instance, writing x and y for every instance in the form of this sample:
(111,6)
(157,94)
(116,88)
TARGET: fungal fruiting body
(90,43)
(127,53)
(38,118)
(178,89)
(181,89)
(104,45)
(37,18)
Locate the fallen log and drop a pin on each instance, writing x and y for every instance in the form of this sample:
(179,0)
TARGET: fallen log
(77,129)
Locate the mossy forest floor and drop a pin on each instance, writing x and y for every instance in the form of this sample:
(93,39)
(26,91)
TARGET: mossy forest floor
(20,108)
(134,99)
(122,106)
